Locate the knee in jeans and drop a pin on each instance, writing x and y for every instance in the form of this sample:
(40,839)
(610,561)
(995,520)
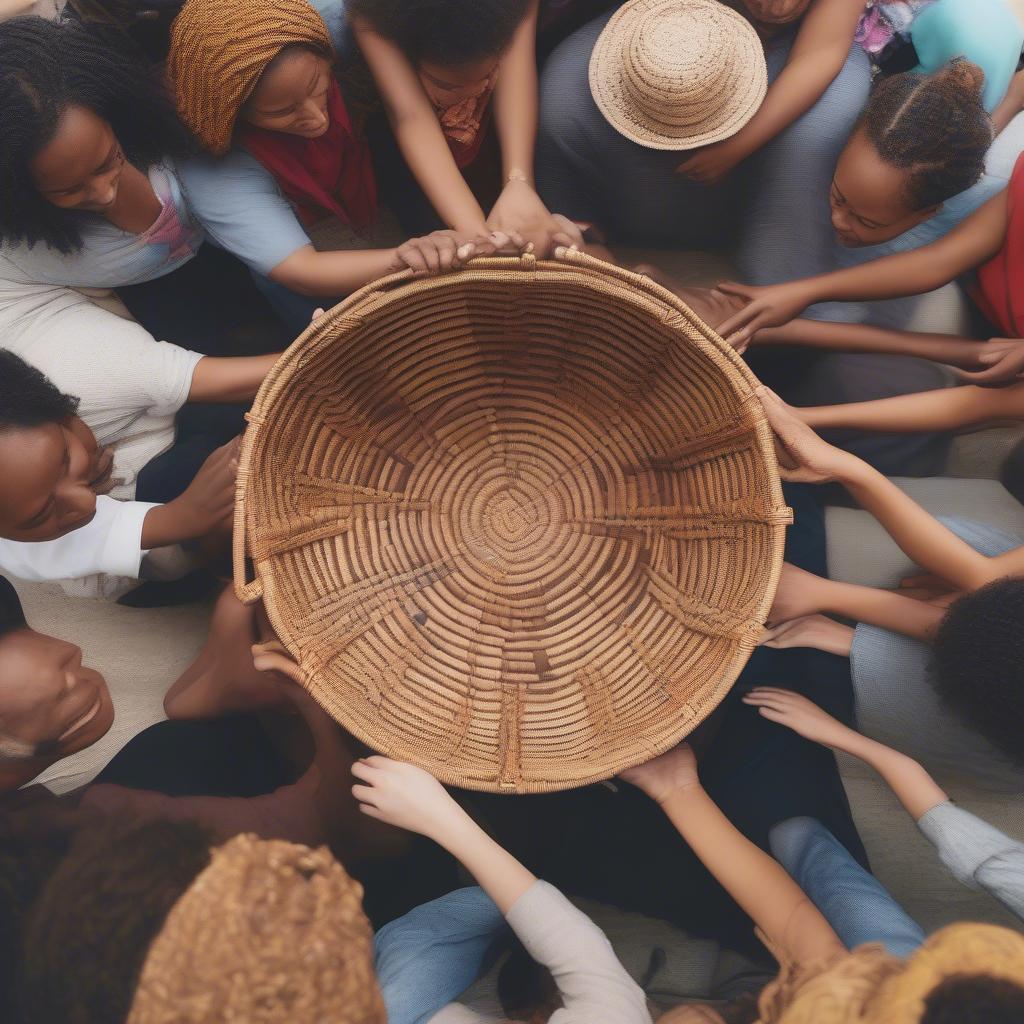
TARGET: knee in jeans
(788,838)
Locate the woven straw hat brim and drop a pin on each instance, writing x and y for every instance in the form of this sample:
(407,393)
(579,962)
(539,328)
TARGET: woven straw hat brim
(219,49)
(681,97)
(520,525)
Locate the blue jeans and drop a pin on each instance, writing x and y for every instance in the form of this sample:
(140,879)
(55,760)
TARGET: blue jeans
(853,901)
(430,956)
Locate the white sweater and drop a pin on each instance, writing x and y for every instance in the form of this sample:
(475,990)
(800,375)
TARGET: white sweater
(131,386)
(594,986)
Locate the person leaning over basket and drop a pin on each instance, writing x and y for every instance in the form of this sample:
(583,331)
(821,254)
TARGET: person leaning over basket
(648,113)
(445,70)
(257,86)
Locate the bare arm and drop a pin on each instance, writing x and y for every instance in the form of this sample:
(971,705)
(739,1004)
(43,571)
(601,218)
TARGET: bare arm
(915,788)
(757,882)
(515,99)
(408,797)
(231,379)
(806,457)
(926,541)
(332,274)
(973,242)
(945,409)
(419,133)
(942,348)
(818,55)
(801,593)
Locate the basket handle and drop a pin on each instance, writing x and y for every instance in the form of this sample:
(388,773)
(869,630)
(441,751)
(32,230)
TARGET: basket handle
(247,591)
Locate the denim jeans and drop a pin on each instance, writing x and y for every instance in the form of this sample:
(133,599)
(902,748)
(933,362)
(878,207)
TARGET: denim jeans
(853,901)
(429,957)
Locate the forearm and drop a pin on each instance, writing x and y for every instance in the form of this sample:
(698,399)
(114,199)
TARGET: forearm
(425,150)
(927,411)
(233,379)
(925,541)
(822,334)
(168,524)
(515,100)
(881,608)
(497,872)
(818,55)
(790,96)
(971,243)
(332,274)
(913,786)
(757,882)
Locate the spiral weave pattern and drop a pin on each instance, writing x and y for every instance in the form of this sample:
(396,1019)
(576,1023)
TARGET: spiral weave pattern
(520,525)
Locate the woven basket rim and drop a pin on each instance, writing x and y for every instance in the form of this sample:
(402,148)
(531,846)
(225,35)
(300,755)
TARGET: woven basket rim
(569,266)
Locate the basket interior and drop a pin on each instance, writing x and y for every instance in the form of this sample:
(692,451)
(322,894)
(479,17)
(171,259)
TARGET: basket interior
(521,530)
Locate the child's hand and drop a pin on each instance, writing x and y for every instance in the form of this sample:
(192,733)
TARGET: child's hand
(666,775)
(406,796)
(446,250)
(816,631)
(799,594)
(272,657)
(520,211)
(712,164)
(767,306)
(208,503)
(799,714)
(803,456)
(1003,362)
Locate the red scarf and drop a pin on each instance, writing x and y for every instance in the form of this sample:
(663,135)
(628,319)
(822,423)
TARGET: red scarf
(329,176)
(999,284)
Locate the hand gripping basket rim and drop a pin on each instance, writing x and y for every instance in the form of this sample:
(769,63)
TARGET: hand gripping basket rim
(574,268)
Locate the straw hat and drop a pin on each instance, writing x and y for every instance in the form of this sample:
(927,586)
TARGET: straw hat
(520,524)
(270,933)
(678,74)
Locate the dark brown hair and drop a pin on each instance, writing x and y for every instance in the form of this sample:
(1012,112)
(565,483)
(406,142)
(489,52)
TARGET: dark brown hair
(935,127)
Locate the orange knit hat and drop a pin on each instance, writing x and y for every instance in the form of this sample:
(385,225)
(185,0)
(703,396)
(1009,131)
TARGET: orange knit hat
(219,49)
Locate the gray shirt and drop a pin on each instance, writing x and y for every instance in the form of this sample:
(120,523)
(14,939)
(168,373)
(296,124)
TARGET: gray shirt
(594,986)
(977,854)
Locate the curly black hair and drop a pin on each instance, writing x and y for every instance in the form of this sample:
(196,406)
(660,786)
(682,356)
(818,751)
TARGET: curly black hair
(28,398)
(46,67)
(934,126)
(976,662)
(974,999)
(448,32)
(86,937)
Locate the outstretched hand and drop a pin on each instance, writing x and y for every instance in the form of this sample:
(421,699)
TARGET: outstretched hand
(804,457)
(798,713)
(1002,360)
(442,251)
(664,776)
(767,306)
(404,795)
(818,632)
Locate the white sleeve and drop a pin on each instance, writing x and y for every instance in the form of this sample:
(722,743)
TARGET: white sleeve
(594,985)
(111,542)
(115,366)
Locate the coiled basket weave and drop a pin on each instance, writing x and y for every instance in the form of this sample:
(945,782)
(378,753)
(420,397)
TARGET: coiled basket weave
(519,524)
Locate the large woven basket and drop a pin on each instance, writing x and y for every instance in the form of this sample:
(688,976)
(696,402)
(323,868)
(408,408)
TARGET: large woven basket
(519,524)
